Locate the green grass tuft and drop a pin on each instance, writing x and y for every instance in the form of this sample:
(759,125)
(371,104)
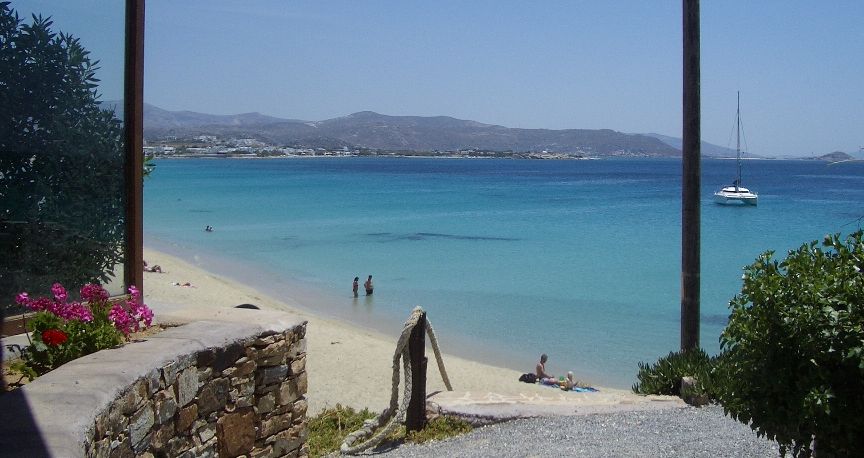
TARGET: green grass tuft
(440,428)
(328,429)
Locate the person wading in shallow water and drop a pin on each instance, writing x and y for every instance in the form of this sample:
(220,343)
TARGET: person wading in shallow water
(368,286)
(356,285)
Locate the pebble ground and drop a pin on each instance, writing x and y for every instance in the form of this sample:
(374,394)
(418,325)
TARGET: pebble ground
(688,432)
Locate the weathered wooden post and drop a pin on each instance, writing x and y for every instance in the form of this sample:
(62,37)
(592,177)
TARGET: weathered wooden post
(690,180)
(415,418)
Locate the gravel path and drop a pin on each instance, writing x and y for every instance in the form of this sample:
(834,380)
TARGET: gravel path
(688,432)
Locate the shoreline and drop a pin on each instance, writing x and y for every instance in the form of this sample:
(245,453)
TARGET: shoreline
(347,364)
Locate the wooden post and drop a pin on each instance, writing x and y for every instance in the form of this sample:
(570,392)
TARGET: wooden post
(133,111)
(690,183)
(415,418)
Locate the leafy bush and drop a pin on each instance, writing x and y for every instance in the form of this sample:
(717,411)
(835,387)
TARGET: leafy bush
(61,168)
(794,348)
(63,330)
(664,376)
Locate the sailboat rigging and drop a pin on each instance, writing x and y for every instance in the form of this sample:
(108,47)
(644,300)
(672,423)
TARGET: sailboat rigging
(736,194)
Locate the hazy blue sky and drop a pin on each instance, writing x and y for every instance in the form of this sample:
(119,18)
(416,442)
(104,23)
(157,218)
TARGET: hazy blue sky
(575,64)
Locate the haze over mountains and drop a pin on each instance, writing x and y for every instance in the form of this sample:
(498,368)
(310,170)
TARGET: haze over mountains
(371,130)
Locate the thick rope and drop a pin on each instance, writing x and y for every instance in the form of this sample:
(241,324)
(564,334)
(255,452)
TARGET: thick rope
(390,419)
(434,341)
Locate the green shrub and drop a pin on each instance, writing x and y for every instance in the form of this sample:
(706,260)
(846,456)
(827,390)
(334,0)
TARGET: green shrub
(793,366)
(328,429)
(438,429)
(62,198)
(664,376)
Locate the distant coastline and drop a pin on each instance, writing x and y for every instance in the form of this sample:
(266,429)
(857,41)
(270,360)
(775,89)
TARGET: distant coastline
(457,155)
(191,134)
(341,154)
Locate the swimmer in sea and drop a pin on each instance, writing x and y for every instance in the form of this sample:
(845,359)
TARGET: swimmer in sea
(368,286)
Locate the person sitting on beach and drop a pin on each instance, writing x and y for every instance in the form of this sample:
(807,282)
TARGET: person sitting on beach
(569,382)
(157,268)
(540,371)
(185,285)
(356,285)
(368,286)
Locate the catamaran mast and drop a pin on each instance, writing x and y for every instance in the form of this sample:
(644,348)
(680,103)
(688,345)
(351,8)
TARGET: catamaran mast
(738,141)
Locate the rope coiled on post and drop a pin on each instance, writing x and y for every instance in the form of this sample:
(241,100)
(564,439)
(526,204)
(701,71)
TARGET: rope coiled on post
(388,420)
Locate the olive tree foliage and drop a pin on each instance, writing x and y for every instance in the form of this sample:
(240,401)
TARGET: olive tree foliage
(793,363)
(61,163)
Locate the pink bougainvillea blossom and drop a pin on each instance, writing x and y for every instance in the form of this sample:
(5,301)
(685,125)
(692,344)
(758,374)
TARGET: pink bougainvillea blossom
(59,292)
(38,304)
(135,293)
(92,292)
(130,316)
(79,311)
(141,312)
(121,319)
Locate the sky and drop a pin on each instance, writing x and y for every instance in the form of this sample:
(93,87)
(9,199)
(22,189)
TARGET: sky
(799,65)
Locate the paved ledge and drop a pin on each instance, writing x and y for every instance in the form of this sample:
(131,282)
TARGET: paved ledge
(492,407)
(54,415)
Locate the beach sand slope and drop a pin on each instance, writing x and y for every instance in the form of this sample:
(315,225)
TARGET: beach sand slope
(346,364)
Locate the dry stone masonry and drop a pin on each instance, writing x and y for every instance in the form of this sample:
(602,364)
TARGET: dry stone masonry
(244,396)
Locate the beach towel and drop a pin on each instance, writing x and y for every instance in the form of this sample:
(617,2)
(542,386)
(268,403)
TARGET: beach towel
(577,389)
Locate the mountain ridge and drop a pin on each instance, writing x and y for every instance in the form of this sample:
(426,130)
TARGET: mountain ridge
(368,129)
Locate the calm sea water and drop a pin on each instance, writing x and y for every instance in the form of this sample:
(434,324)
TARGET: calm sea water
(511,258)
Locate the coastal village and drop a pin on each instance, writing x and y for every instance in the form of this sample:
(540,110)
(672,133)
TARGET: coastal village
(211,146)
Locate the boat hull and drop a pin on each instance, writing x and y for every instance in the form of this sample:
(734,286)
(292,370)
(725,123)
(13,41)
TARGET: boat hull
(723,198)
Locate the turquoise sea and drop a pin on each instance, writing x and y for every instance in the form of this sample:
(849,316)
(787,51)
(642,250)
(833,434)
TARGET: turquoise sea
(511,258)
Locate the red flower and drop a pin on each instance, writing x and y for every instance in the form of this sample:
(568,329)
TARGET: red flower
(54,337)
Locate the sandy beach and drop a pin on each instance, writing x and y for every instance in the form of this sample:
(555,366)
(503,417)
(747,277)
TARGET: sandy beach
(346,364)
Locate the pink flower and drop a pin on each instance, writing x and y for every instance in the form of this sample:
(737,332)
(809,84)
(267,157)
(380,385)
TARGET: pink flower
(55,307)
(135,293)
(22,299)
(140,312)
(59,292)
(121,319)
(92,292)
(78,311)
(42,303)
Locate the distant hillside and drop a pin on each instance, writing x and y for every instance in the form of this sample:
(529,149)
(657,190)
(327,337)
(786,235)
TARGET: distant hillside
(708,149)
(376,131)
(836,156)
(157,118)
(373,130)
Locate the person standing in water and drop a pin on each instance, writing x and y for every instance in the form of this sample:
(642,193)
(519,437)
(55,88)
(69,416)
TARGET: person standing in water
(356,285)
(368,286)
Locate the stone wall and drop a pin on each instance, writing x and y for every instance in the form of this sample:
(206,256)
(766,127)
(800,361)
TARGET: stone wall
(208,388)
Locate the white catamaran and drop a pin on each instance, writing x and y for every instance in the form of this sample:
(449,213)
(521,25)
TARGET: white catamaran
(736,194)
